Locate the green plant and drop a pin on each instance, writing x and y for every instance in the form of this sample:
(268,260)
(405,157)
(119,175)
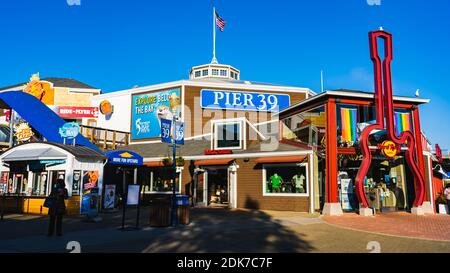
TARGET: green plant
(169,162)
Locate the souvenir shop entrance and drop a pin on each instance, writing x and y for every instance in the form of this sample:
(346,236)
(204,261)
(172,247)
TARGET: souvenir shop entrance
(212,187)
(389,184)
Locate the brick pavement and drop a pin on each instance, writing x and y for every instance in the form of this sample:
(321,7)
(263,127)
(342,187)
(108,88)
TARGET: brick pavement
(431,227)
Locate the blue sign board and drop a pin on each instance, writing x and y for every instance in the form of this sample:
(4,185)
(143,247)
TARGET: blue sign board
(124,158)
(69,130)
(166,128)
(148,110)
(166,132)
(248,101)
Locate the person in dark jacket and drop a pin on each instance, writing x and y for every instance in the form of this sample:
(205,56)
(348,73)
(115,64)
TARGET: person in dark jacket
(58,209)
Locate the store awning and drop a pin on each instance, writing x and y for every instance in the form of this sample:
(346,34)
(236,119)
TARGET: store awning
(123,157)
(34,154)
(154,164)
(209,162)
(281,159)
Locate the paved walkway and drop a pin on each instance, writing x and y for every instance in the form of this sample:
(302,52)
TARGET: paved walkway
(431,227)
(211,230)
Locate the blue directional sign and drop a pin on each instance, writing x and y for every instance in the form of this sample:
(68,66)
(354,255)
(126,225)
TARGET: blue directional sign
(166,128)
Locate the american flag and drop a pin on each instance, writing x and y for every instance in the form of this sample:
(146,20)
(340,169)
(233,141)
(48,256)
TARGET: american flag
(220,22)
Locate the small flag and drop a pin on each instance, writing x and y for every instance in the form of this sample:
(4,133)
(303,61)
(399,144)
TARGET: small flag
(220,22)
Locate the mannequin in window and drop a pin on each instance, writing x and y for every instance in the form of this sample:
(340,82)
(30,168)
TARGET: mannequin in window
(276,181)
(298,181)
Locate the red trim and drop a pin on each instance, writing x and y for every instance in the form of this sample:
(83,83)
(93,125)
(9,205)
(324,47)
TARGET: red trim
(281,159)
(331,190)
(154,164)
(296,144)
(209,162)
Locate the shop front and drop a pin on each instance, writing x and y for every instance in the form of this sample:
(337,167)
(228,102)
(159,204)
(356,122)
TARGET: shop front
(30,170)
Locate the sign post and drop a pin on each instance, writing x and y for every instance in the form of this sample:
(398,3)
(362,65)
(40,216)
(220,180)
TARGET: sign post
(172,131)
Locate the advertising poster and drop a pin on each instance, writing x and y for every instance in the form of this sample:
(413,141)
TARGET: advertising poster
(133,195)
(90,181)
(76,182)
(148,110)
(110,193)
(89,203)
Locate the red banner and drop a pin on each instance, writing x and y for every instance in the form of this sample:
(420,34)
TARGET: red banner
(77,112)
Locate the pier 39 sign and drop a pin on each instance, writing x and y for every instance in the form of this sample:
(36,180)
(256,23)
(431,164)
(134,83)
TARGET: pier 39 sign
(249,101)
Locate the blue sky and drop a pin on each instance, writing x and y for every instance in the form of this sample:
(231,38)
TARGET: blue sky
(114,45)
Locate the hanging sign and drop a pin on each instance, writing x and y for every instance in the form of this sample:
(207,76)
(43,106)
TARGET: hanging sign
(166,128)
(248,101)
(179,133)
(23,132)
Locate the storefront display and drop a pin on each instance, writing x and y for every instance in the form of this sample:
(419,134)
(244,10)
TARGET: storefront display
(285,179)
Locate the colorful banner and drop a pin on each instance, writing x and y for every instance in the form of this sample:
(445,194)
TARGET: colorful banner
(90,181)
(402,122)
(348,124)
(148,110)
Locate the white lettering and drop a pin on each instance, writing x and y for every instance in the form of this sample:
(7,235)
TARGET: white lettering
(236,99)
(248,100)
(218,96)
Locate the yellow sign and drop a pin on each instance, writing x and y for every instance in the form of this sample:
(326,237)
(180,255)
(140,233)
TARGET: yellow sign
(126,155)
(23,132)
(389,148)
(106,108)
(42,90)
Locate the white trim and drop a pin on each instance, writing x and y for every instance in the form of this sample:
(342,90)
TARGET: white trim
(349,94)
(210,84)
(264,179)
(235,156)
(311,183)
(151,191)
(430,181)
(242,133)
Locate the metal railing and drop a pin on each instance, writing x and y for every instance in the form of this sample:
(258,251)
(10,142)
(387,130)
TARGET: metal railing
(105,139)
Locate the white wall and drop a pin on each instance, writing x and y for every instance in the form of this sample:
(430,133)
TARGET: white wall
(121,117)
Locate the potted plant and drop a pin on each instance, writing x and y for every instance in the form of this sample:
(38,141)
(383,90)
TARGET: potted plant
(168,162)
(441,202)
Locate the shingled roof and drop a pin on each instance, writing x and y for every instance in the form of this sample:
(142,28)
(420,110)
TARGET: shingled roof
(57,82)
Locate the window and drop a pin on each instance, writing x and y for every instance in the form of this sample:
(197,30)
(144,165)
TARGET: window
(307,128)
(40,183)
(228,135)
(285,179)
(4,182)
(232,74)
(198,73)
(205,72)
(215,72)
(223,73)
(161,180)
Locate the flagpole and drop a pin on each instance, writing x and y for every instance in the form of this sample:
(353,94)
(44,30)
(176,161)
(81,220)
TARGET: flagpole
(214,60)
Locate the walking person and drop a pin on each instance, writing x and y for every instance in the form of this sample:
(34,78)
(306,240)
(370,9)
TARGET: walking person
(58,208)
(447,195)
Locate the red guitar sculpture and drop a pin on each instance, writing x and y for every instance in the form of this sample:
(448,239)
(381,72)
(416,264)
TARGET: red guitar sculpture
(384,108)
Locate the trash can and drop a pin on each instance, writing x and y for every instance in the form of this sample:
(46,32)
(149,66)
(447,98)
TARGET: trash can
(183,209)
(160,211)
